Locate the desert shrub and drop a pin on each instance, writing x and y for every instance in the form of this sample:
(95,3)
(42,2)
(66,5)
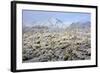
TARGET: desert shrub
(38,42)
(66,57)
(56,46)
(27,54)
(37,46)
(46,44)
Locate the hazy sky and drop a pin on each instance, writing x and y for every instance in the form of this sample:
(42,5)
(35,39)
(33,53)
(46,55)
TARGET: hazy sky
(31,16)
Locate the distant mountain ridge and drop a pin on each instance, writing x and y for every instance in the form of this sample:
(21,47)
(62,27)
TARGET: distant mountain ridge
(55,24)
(80,27)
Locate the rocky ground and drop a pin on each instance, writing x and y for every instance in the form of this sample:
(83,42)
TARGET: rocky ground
(56,46)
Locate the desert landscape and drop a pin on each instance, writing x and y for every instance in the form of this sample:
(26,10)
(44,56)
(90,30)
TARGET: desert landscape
(51,42)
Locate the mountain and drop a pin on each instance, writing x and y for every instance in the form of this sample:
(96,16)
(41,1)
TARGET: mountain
(55,24)
(80,25)
(51,24)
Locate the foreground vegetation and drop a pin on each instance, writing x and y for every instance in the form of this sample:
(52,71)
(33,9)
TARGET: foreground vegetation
(43,46)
